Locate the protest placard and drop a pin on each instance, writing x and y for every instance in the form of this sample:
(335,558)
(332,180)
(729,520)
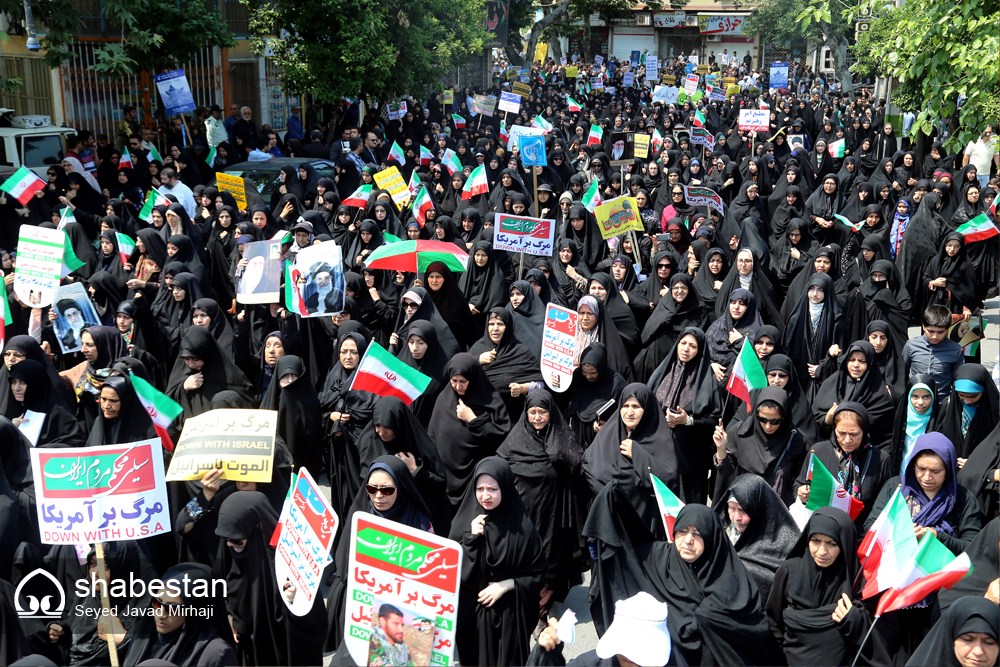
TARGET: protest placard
(641,146)
(100,494)
(665,95)
(521,88)
(628,80)
(558,347)
(510,102)
(314,283)
(618,216)
(233,185)
(779,75)
(260,281)
(572,72)
(175,92)
(652,68)
(448,97)
(597,82)
(390,563)
(755,120)
(697,196)
(517,233)
(716,93)
(241,442)
(518,131)
(598,60)
(532,150)
(397,110)
(391,180)
(690,84)
(74,313)
(484,104)
(302,552)
(622,148)
(700,135)
(39,265)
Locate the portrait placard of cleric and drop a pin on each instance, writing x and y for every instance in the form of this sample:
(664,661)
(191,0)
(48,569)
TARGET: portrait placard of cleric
(73,312)
(320,267)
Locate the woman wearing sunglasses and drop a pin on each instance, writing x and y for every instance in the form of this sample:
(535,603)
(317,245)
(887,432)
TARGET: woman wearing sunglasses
(766,445)
(390,492)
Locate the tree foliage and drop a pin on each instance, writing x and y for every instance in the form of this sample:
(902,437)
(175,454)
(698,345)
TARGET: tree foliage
(154,35)
(370,48)
(939,51)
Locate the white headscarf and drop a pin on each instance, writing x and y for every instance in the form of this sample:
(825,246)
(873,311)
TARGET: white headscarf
(78,168)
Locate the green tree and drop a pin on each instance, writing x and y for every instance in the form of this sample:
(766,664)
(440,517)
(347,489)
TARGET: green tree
(938,51)
(370,48)
(155,35)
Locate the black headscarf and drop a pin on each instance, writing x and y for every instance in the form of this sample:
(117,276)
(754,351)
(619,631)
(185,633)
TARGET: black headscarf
(513,363)
(961,289)
(60,428)
(809,343)
(665,324)
(969,614)
(484,287)
(801,414)
(529,317)
(720,349)
(869,390)
(299,412)
(452,304)
(984,419)
(219,372)
(132,423)
(704,279)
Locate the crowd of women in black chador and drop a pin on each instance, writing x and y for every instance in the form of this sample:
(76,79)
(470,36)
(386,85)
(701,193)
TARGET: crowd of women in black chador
(542,479)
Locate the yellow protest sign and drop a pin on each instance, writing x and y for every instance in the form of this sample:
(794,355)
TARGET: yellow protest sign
(448,97)
(641,146)
(541,51)
(240,442)
(729,80)
(521,89)
(733,89)
(571,72)
(703,68)
(390,179)
(618,216)
(234,186)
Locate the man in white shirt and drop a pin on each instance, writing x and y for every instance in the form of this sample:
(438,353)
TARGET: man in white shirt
(980,153)
(215,129)
(173,186)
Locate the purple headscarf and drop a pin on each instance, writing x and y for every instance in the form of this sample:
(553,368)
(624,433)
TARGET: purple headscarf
(933,513)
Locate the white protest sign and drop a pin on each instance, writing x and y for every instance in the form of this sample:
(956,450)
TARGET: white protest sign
(100,494)
(698,196)
(652,68)
(755,120)
(666,94)
(314,284)
(516,233)
(397,110)
(558,346)
(628,80)
(691,84)
(510,102)
(39,265)
(308,527)
(260,281)
(518,131)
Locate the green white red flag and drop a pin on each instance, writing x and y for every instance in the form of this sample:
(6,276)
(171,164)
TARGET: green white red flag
(932,568)
(504,134)
(889,544)
(210,158)
(125,247)
(592,197)
(542,124)
(657,139)
(70,261)
(294,302)
(837,148)
(476,184)
(359,198)
(826,491)
(154,199)
(847,222)
(425,156)
(421,204)
(458,120)
(65,217)
(383,374)
(979,228)
(396,153)
(451,162)
(572,104)
(125,161)
(22,185)
(747,374)
(596,135)
(8,321)
(162,409)
(670,505)
(699,118)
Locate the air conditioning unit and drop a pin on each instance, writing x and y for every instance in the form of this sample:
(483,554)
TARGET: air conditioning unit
(714,38)
(644,19)
(691,21)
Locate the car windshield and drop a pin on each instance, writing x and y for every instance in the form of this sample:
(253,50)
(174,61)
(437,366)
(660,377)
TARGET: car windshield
(42,149)
(267,181)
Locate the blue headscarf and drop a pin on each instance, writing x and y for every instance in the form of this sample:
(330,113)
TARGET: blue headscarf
(932,512)
(916,423)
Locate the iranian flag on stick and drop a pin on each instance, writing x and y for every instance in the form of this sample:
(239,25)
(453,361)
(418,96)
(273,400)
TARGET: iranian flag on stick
(65,217)
(154,154)
(125,161)
(162,409)
(383,374)
(669,504)
(542,124)
(979,228)
(592,197)
(596,135)
(425,156)
(572,104)
(458,120)
(421,204)
(396,153)
(888,546)
(210,158)
(359,198)
(125,247)
(933,567)
(22,185)
(477,184)
(837,148)
(657,139)
(504,134)
(826,491)
(154,199)
(747,374)
(699,118)
(847,222)
(70,262)
(451,162)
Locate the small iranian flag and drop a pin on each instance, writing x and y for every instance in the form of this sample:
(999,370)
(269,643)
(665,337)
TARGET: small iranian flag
(8,320)
(396,153)
(383,374)
(65,217)
(294,302)
(415,183)
(826,491)
(504,134)
(458,120)
(699,118)
(425,156)
(747,374)
(993,206)
(932,568)
(359,198)
(162,409)
(70,262)
(452,162)
(762,105)
(592,197)
(421,204)
(155,154)
(657,139)
(125,247)
(126,160)
(669,504)
(596,135)
(979,228)
(477,184)
(210,158)
(847,222)
(542,124)
(837,148)
(22,185)
(888,546)
(572,104)
(154,199)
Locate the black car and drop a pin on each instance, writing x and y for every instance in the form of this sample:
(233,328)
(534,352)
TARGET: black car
(264,174)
